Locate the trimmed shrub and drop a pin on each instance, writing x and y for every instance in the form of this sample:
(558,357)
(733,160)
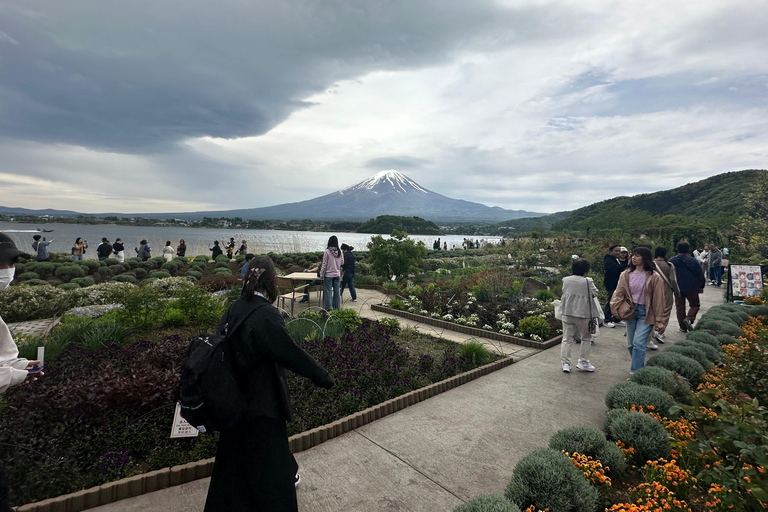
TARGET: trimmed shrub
(222,259)
(625,394)
(534,325)
(68,286)
(726,339)
(197,265)
(194,274)
(547,479)
(68,272)
(590,441)
(714,355)
(140,273)
(44,269)
(37,282)
(703,337)
(488,503)
(105,273)
(678,363)
(174,318)
(222,264)
(159,274)
(694,353)
(720,327)
(93,265)
(26,276)
(222,272)
(111,261)
(666,380)
(149,265)
(83,282)
(170,266)
(761,310)
(640,431)
(125,278)
(202,258)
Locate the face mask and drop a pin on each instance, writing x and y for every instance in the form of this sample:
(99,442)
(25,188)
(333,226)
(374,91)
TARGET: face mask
(6,276)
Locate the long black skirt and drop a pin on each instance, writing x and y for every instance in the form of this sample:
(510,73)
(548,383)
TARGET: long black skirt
(254,469)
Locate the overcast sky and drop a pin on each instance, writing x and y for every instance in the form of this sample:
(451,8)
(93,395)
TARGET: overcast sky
(171,105)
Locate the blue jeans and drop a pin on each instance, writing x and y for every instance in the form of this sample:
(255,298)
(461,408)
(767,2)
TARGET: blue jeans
(331,288)
(348,280)
(716,274)
(77,257)
(637,338)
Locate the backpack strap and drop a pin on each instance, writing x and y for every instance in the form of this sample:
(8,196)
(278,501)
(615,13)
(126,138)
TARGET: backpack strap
(228,333)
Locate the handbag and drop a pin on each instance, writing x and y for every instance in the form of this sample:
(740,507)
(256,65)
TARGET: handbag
(558,311)
(592,326)
(625,310)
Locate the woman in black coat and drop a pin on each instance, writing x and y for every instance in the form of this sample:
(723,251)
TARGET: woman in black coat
(255,469)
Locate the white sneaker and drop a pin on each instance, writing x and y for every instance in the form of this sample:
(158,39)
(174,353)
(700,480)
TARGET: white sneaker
(566,368)
(585,367)
(659,337)
(622,323)
(610,324)
(652,346)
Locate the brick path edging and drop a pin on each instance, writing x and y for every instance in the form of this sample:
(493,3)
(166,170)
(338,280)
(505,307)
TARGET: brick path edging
(177,475)
(473,331)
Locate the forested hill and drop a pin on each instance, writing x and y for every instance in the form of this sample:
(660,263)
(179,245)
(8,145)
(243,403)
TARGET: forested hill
(717,200)
(411,225)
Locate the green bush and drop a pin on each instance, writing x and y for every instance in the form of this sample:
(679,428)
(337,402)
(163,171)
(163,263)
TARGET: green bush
(714,355)
(625,394)
(83,282)
(640,431)
(694,353)
(159,274)
(477,351)
(125,278)
(174,318)
(197,265)
(396,304)
(85,332)
(222,272)
(545,295)
(140,273)
(105,273)
(531,325)
(201,258)
(313,327)
(488,503)
(20,268)
(93,265)
(547,479)
(44,269)
(726,339)
(703,337)
(149,265)
(201,307)
(348,317)
(761,310)
(194,274)
(590,441)
(391,325)
(142,308)
(68,272)
(222,264)
(720,327)
(111,261)
(678,363)
(68,286)
(222,259)
(170,267)
(26,276)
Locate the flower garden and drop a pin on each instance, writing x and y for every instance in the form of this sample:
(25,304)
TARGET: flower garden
(687,433)
(104,409)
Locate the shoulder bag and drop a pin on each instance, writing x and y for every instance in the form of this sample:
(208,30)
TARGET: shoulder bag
(625,310)
(592,320)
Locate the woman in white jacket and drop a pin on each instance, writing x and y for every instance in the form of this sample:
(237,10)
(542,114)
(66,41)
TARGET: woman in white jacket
(330,271)
(168,251)
(578,308)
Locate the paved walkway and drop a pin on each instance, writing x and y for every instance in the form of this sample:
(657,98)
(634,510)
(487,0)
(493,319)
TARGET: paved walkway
(443,451)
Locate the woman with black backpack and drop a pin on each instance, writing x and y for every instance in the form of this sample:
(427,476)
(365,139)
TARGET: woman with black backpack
(255,469)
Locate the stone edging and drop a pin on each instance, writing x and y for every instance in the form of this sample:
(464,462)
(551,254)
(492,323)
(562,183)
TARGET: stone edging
(473,331)
(177,475)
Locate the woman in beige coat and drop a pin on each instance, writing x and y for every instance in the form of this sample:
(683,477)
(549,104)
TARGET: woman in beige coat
(645,288)
(578,308)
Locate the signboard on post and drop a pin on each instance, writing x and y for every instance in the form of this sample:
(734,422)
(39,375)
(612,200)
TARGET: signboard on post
(181,427)
(744,280)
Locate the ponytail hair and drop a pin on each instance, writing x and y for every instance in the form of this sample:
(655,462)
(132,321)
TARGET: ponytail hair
(260,277)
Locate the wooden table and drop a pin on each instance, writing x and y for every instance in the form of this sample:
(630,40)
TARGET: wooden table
(307,276)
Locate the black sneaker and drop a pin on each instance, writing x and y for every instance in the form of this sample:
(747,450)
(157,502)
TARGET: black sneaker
(688,324)
(304,299)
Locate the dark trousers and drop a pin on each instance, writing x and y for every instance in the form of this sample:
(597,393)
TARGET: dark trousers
(348,280)
(693,299)
(607,308)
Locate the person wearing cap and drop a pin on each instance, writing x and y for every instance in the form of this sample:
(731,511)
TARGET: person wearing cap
(143,251)
(613,266)
(104,250)
(41,248)
(14,370)
(118,249)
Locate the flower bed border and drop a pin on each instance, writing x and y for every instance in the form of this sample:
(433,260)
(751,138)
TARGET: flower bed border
(473,331)
(177,475)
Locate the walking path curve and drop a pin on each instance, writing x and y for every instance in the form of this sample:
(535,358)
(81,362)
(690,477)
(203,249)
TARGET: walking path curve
(441,452)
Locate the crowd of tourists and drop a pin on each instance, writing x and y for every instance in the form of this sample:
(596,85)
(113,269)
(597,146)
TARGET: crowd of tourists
(642,288)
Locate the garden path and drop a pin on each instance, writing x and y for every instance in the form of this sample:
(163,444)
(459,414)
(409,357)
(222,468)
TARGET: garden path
(34,327)
(441,452)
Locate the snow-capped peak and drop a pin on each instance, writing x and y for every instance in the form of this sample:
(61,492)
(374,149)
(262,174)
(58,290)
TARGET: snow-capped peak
(390,180)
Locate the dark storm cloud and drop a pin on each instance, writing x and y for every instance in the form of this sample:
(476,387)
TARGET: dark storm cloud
(136,76)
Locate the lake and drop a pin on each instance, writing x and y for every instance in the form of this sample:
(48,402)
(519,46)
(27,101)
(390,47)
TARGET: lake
(198,240)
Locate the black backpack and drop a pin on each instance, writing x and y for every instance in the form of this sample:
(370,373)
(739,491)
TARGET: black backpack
(211,397)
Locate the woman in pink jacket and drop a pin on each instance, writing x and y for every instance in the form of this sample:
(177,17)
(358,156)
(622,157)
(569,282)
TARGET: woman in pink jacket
(330,271)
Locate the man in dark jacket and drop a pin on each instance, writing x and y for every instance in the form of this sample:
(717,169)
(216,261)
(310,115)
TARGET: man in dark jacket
(612,267)
(690,280)
(104,250)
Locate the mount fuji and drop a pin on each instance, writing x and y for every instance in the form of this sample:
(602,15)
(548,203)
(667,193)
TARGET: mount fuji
(385,193)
